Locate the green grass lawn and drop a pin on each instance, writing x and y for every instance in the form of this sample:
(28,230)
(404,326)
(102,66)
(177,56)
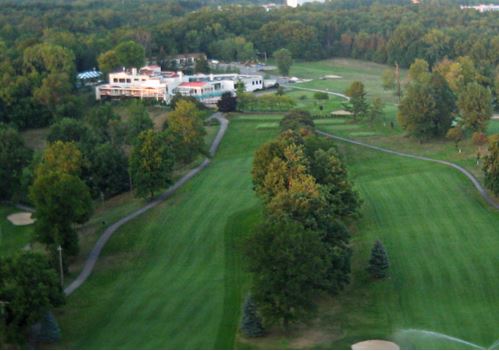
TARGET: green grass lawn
(305,100)
(172,278)
(113,209)
(12,238)
(349,70)
(493,127)
(442,241)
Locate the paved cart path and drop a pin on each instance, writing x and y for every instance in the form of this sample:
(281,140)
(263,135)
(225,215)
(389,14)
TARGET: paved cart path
(106,235)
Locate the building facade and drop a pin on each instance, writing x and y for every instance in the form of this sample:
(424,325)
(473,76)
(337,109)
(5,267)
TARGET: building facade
(150,82)
(296,3)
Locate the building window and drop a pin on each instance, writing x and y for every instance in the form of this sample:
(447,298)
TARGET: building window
(122,80)
(115,80)
(128,80)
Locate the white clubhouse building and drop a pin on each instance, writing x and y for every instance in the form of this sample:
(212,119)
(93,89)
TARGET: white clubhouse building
(150,82)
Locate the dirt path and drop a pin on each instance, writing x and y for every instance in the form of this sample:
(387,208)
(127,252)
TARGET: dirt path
(103,239)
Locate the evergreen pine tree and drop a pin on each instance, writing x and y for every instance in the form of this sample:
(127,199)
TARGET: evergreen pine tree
(227,103)
(251,325)
(378,263)
(49,329)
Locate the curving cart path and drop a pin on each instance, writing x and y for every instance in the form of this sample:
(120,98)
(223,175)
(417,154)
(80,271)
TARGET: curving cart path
(103,239)
(470,176)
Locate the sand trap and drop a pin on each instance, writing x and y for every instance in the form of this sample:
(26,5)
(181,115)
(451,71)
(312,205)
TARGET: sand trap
(341,113)
(332,76)
(375,345)
(495,116)
(21,218)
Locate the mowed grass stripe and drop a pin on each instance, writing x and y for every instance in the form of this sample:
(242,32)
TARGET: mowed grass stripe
(442,242)
(170,289)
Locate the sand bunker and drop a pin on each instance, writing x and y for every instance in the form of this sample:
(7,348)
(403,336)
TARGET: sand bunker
(495,116)
(21,218)
(332,76)
(375,345)
(341,113)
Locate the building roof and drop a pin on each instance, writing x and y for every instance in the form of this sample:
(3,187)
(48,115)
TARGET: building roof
(89,74)
(193,84)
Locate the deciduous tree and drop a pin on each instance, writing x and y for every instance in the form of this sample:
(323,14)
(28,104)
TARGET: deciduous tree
(475,106)
(61,156)
(29,288)
(138,121)
(151,163)
(61,200)
(375,111)
(297,120)
(388,79)
(284,60)
(288,263)
(14,156)
(185,131)
(491,166)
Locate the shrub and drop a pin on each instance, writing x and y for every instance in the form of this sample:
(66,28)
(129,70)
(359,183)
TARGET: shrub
(296,120)
(251,324)
(227,103)
(494,138)
(378,263)
(479,138)
(455,134)
(321,95)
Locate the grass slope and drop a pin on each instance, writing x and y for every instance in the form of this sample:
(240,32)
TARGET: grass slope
(170,278)
(442,241)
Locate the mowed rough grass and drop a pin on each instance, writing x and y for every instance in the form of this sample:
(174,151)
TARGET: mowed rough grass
(171,279)
(12,237)
(443,244)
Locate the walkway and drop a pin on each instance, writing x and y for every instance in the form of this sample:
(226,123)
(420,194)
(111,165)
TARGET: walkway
(103,239)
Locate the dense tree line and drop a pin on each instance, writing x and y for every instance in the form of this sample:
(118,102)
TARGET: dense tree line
(450,93)
(302,248)
(88,34)
(95,157)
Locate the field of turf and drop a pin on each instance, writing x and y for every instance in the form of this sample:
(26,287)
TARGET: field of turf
(12,238)
(172,278)
(348,70)
(442,241)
